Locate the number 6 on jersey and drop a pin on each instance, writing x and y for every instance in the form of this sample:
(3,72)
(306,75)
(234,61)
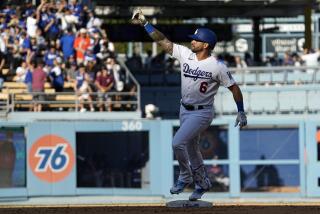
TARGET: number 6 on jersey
(203,87)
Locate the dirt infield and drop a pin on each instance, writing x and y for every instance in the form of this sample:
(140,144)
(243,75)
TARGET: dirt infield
(216,209)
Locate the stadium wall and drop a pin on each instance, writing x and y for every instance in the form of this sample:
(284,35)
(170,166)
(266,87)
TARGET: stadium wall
(49,157)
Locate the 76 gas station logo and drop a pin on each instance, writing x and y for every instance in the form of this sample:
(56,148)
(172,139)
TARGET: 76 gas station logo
(51,158)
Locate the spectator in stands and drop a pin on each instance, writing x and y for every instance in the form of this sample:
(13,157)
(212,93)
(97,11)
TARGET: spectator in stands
(287,59)
(38,80)
(66,44)
(16,57)
(239,63)
(275,60)
(104,83)
(30,67)
(32,21)
(50,56)
(116,71)
(148,59)
(296,61)
(56,75)
(158,63)
(71,72)
(130,87)
(81,44)
(93,22)
(2,64)
(83,88)
(52,29)
(310,59)
(76,9)
(41,42)
(248,59)
(89,56)
(66,18)
(21,72)
(134,63)
(106,44)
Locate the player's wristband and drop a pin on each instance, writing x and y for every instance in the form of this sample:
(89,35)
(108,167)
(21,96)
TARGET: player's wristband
(149,28)
(240,106)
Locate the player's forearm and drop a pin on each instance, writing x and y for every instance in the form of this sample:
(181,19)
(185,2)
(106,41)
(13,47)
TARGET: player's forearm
(155,34)
(237,96)
(160,38)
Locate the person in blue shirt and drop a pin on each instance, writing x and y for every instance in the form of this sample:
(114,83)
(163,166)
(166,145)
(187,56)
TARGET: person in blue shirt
(52,29)
(66,44)
(50,56)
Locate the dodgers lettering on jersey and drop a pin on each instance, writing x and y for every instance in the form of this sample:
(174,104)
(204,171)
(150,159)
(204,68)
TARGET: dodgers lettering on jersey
(200,80)
(196,73)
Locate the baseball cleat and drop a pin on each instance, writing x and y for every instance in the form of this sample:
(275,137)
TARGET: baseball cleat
(179,187)
(197,194)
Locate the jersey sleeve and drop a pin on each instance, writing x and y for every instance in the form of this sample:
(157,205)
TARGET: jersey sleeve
(225,77)
(180,51)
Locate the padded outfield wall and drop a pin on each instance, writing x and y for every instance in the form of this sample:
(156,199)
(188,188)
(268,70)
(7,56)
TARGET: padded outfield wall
(275,156)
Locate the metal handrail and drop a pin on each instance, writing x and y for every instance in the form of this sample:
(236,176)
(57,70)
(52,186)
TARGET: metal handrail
(273,68)
(13,99)
(129,74)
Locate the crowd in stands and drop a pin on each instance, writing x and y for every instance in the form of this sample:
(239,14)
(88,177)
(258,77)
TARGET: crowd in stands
(59,42)
(163,62)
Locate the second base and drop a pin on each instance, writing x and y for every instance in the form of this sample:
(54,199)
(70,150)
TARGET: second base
(187,203)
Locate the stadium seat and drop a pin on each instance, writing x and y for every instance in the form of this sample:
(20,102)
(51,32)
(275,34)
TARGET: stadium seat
(156,79)
(250,79)
(317,79)
(292,101)
(278,78)
(299,77)
(246,100)
(265,78)
(261,102)
(173,79)
(143,79)
(238,78)
(314,101)
(228,104)
(217,103)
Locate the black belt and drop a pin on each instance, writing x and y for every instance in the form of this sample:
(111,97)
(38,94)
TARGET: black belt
(191,107)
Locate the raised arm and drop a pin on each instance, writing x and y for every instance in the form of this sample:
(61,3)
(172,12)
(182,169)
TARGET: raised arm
(156,35)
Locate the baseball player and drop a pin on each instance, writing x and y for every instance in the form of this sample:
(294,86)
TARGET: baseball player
(201,76)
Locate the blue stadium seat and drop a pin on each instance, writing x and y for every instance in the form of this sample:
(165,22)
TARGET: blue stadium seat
(314,101)
(156,79)
(143,79)
(265,78)
(263,102)
(238,78)
(292,101)
(278,77)
(250,79)
(317,77)
(218,103)
(228,104)
(173,79)
(299,77)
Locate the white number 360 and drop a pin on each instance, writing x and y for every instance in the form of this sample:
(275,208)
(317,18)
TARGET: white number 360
(131,126)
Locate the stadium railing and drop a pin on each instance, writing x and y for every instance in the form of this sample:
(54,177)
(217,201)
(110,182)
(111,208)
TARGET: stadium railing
(283,75)
(282,99)
(14,97)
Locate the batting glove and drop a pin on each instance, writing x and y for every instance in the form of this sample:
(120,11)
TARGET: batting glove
(241,119)
(138,17)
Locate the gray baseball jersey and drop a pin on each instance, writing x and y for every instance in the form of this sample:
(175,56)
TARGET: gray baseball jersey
(200,80)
